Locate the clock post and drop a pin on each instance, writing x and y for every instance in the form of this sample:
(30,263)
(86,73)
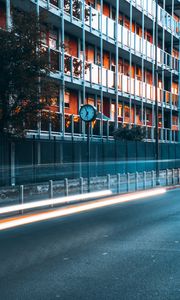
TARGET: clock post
(88,155)
(88,114)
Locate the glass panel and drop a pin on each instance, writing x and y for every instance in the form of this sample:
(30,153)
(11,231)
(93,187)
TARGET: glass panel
(95,74)
(111,28)
(138,43)
(149,45)
(132,86)
(132,40)
(95,19)
(124,83)
(119,33)
(104,25)
(120,81)
(110,79)
(104,76)
(87,73)
(125,36)
(144,89)
(148,91)
(144,46)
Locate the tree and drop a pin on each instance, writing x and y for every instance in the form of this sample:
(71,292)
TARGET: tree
(132,133)
(25,85)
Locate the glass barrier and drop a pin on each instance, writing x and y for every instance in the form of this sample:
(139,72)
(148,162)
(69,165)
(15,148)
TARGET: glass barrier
(94,19)
(111,79)
(104,24)
(95,74)
(111,28)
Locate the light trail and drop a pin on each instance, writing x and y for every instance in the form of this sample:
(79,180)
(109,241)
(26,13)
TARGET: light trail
(61,200)
(6,224)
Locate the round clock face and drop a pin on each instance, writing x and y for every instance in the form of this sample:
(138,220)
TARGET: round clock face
(87,113)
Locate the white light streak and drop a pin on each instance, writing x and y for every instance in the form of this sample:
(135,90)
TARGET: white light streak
(62,200)
(79,208)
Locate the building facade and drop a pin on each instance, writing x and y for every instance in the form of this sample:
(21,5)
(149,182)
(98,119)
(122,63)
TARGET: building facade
(104,53)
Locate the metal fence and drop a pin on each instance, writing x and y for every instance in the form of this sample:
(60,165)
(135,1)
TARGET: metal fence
(118,183)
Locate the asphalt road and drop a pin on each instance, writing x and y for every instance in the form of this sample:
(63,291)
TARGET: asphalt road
(127,251)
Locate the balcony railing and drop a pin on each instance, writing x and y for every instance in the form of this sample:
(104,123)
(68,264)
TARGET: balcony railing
(126,84)
(125,36)
(164,18)
(130,39)
(52,123)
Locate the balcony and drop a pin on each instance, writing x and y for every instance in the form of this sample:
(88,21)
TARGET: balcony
(126,85)
(53,124)
(127,38)
(164,18)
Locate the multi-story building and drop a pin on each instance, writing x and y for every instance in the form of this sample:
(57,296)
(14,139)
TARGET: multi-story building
(104,53)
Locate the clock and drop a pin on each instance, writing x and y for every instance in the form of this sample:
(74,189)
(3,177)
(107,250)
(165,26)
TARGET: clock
(87,113)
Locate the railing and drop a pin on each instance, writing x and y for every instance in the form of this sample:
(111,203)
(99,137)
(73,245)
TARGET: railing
(164,18)
(117,183)
(126,84)
(125,36)
(53,123)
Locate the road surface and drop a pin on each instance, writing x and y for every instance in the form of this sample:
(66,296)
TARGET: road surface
(126,251)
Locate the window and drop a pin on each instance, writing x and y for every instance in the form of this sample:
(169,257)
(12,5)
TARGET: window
(98,105)
(67,99)
(44,38)
(98,60)
(54,2)
(175,120)
(54,58)
(120,111)
(113,111)
(90,100)
(126,69)
(53,38)
(90,53)
(114,14)
(138,73)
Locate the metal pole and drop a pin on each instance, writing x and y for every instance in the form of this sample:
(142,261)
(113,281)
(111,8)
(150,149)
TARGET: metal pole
(88,155)
(21,196)
(156,96)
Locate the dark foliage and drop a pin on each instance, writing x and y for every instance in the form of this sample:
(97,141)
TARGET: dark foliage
(130,133)
(24,70)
